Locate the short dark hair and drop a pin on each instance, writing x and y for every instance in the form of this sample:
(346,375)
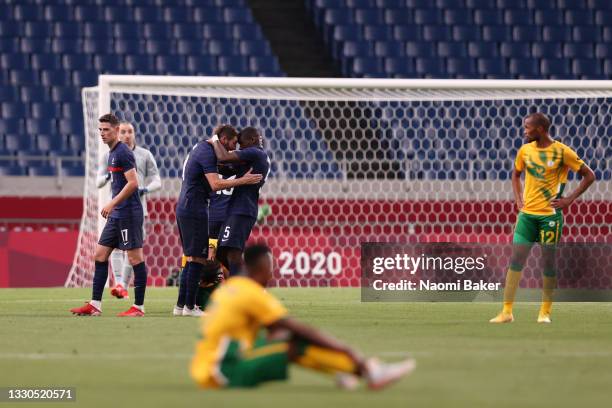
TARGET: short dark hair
(226,130)
(539,119)
(109,118)
(253,253)
(249,133)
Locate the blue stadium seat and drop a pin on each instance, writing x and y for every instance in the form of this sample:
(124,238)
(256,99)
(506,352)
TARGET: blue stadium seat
(141,64)
(546,50)
(264,64)
(9,45)
(8,94)
(159,47)
(76,142)
(11,169)
(18,142)
(556,34)
(525,68)
(126,31)
(511,4)
(526,33)
(62,94)
(55,13)
(202,65)
(73,169)
(157,31)
(228,48)
(518,17)
(35,45)
(607,68)
(84,78)
(399,16)
(26,77)
(496,33)
(40,126)
(226,31)
(34,94)
(73,126)
(77,62)
(359,49)
(367,67)
(176,15)
(86,13)
(549,17)
(14,61)
(392,49)
(587,34)
(430,67)
(27,12)
(492,67)
(578,50)
(360,3)
(587,68)
(129,47)
(96,46)
(170,64)
(459,16)
(465,33)
(55,77)
(234,65)
(47,143)
(114,14)
(207,16)
(489,17)
(600,4)
(193,32)
(347,33)
(46,61)
(369,16)
(452,49)
(67,29)
(186,47)
(607,34)
(400,67)
(98,30)
(377,32)
(337,17)
(464,67)
(61,46)
(38,29)
(554,66)
(542,5)
(436,33)
(419,49)
(421,4)
(10,29)
(407,33)
(603,50)
(515,50)
(390,4)
(45,110)
(41,170)
(603,17)
(14,110)
(146,14)
(480,49)
(71,110)
(254,48)
(579,17)
(428,16)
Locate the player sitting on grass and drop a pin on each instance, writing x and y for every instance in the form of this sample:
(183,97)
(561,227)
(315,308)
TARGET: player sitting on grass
(248,338)
(540,219)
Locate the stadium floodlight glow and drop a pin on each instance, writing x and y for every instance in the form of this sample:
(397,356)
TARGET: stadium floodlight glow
(354,160)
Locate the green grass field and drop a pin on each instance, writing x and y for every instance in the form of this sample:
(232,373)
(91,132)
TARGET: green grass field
(462,360)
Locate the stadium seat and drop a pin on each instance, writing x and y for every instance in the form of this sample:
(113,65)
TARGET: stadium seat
(587,68)
(176,15)
(480,49)
(64,94)
(360,3)
(515,50)
(126,31)
(35,45)
(9,45)
(587,34)
(98,30)
(347,33)
(40,126)
(363,67)
(578,50)
(170,64)
(96,47)
(84,13)
(113,14)
(428,16)
(369,17)
(267,64)
(191,32)
(71,110)
(46,110)
(518,17)
(129,47)
(14,61)
(27,12)
(492,68)
(158,47)
(8,94)
(37,29)
(55,13)
(542,5)
(362,49)
(431,67)
(18,142)
(524,68)
(202,65)
(400,67)
(464,67)
(207,16)
(607,68)
(554,66)
(254,48)
(337,17)
(34,94)
(84,78)
(61,46)
(526,33)
(489,17)
(188,48)
(607,35)
(228,48)
(147,14)
(436,33)
(451,49)
(377,33)
(234,65)
(603,50)
(390,49)
(42,170)
(10,29)
(55,77)
(603,17)
(13,110)
(459,16)
(68,30)
(556,34)
(26,77)
(579,17)
(77,62)
(72,126)
(46,61)
(545,50)
(399,17)
(549,17)
(419,49)
(11,169)
(496,33)
(140,64)
(465,33)
(157,31)
(48,143)
(407,33)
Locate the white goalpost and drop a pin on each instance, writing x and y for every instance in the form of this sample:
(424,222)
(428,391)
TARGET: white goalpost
(353,160)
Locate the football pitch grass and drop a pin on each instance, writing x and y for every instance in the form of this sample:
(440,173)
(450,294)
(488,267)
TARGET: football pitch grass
(463,361)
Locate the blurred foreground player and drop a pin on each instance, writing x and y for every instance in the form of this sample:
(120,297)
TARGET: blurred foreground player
(123,229)
(200,178)
(248,339)
(540,206)
(242,209)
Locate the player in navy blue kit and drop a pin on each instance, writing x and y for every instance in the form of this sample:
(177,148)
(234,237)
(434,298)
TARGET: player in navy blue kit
(242,207)
(200,178)
(123,229)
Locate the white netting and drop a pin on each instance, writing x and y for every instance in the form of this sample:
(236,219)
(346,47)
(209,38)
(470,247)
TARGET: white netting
(354,165)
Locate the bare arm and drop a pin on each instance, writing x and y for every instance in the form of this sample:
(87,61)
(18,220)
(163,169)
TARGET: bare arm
(222,154)
(128,189)
(220,184)
(588,177)
(517,188)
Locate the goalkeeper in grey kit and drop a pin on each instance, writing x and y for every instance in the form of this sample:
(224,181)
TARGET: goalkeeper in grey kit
(147,171)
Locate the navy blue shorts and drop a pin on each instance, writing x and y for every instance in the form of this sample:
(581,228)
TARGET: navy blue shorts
(214,228)
(235,231)
(194,235)
(122,233)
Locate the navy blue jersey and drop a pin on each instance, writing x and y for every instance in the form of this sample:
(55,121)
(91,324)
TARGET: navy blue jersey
(121,159)
(244,200)
(219,201)
(195,190)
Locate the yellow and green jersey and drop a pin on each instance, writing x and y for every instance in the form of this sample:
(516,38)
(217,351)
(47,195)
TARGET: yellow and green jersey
(239,309)
(546,171)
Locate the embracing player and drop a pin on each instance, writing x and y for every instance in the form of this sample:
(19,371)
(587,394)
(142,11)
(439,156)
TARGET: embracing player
(148,182)
(200,177)
(123,229)
(248,338)
(540,219)
(242,207)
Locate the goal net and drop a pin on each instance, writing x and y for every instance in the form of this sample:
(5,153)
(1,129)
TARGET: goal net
(354,161)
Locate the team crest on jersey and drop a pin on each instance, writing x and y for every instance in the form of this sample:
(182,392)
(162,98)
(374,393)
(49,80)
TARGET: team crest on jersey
(551,223)
(550,163)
